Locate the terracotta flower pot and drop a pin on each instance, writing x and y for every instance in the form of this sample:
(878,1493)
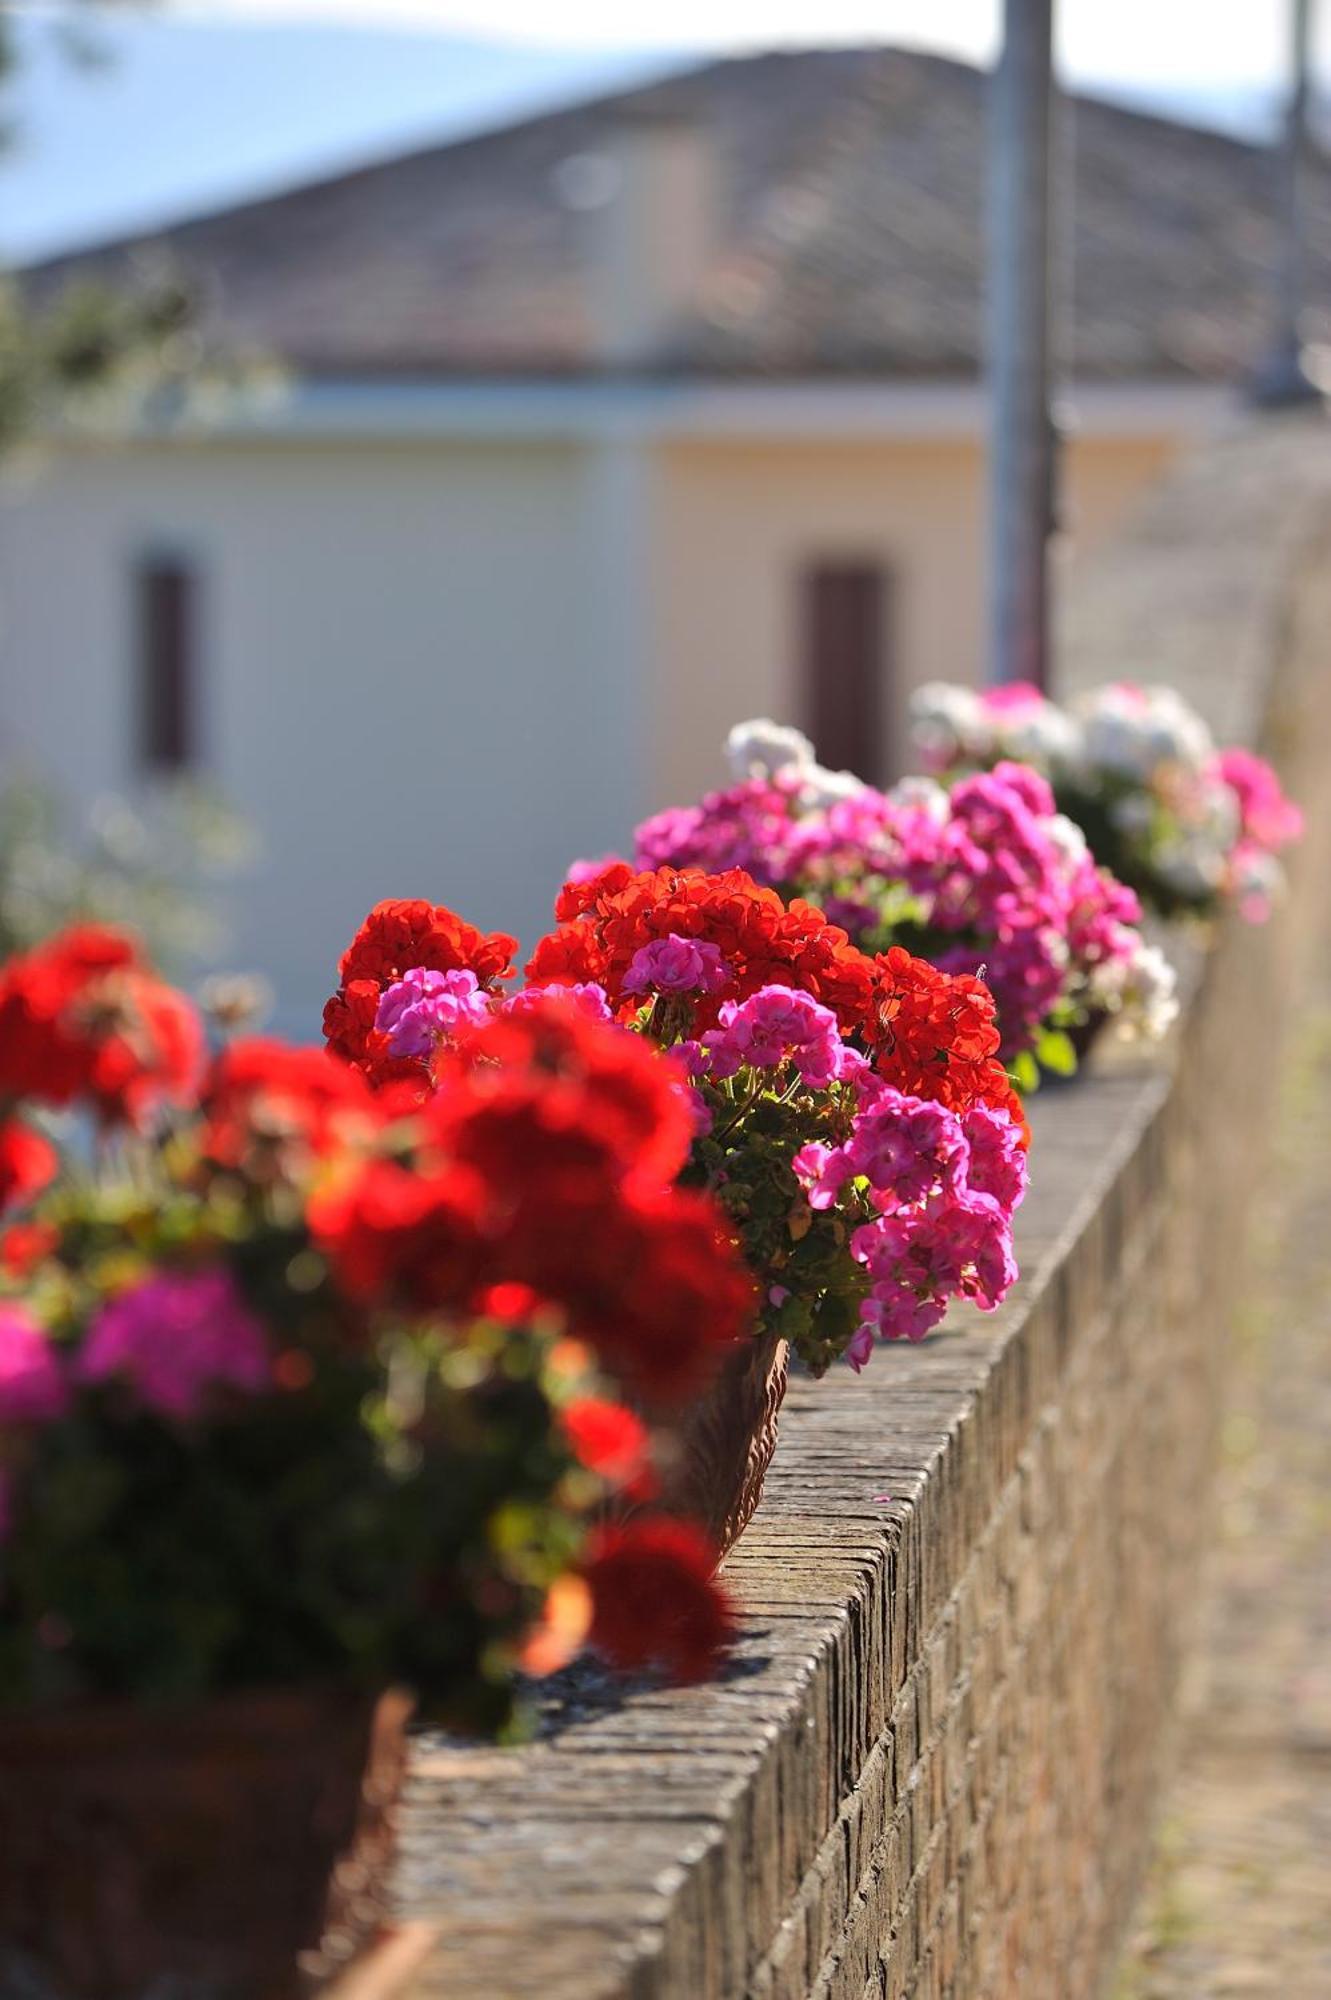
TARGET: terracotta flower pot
(726,1439)
(236,1850)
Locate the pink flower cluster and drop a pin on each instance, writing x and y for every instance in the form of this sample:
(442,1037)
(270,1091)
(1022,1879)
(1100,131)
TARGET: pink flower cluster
(585,995)
(426,1007)
(1018,881)
(946,1189)
(988,877)
(1190,826)
(928,1195)
(1266,816)
(744,827)
(676,964)
(427,1010)
(32,1383)
(172,1342)
(776,1025)
(1268,822)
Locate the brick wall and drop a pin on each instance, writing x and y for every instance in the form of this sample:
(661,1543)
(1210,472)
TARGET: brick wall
(931,1769)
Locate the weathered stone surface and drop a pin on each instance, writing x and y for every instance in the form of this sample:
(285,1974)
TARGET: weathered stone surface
(930,1769)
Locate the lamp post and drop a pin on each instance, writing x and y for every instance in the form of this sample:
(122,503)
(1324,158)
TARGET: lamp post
(1281,380)
(1021,441)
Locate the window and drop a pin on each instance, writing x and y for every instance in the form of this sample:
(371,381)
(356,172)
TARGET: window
(844,666)
(166,614)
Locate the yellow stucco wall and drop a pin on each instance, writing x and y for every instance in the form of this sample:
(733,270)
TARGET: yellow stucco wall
(737,522)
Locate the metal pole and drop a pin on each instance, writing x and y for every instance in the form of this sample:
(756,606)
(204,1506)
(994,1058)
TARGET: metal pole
(1021,433)
(1281,379)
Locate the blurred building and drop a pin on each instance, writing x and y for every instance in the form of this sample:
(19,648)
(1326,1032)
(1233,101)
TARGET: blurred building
(598,433)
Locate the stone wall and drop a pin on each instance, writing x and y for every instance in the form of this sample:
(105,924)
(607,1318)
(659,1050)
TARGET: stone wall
(930,1770)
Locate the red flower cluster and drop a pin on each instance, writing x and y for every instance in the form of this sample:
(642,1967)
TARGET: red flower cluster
(270,1108)
(604,922)
(933,1034)
(544,1160)
(611,1441)
(653,1598)
(83,1017)
(550,1092)
(27,1163)
(394,937)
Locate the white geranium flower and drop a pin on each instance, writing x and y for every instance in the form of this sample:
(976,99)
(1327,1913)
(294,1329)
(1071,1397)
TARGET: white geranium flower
(1176,732)
(1116,735)
(760,748)
(1150,996)
(1140,992)
(1044,736)
(949,722)
(924,795)
(820,787)
(1068,838)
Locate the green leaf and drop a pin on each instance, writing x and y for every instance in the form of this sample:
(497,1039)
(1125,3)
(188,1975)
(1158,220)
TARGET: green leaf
(1055,1052)
(1025,1072)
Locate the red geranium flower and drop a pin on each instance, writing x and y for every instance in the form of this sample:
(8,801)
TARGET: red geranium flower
(394,937)
(81,1016)
(269,1106)
(655,1600)
(27,1163)
(933,1034)
(550,1090)
(648,1280)
(24,1245)
(575,897)
(397,1236)
(608,1439)
(763,941)
(543,1162)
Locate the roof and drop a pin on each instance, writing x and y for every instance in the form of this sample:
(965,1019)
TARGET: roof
(850,239)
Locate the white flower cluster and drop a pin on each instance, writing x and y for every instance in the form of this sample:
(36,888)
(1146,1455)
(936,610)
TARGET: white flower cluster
(1133,733)
(922,795)
(762,748)
(1136,732)
(1140,993)
(956,725)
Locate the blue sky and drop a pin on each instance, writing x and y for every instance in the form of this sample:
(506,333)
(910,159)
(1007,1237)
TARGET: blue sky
(194,105)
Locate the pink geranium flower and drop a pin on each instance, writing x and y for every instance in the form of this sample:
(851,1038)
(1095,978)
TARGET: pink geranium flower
(1265,814)
(32,1382)
(773,1025)
(425,1007)
(174,1339)
(585,995)
(677,965)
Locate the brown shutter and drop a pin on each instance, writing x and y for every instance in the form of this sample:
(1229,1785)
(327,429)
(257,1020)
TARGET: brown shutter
(843,665)
(166,641)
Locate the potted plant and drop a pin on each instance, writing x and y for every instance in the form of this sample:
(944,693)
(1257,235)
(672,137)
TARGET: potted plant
(1190,828)
(305,1416)
(848,1114)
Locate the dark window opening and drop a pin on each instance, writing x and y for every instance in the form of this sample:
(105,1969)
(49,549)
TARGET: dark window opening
(167,613)
(844,666)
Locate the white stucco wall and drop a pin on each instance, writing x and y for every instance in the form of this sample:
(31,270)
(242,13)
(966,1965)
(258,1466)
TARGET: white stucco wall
(414,674)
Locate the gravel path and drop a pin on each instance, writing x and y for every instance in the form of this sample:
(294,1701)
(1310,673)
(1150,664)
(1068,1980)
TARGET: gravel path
(1239,1899)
